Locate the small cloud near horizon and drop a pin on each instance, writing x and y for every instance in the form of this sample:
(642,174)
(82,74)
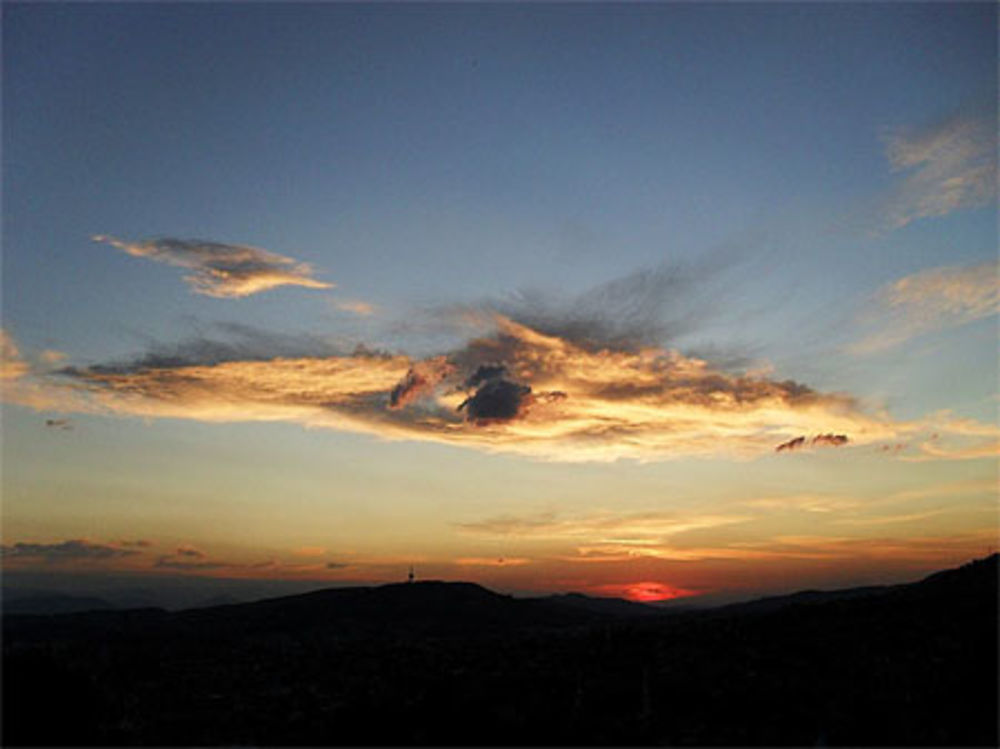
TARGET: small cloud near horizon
(78,549)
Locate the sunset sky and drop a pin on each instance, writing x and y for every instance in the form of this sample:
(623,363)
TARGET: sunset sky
(649,300)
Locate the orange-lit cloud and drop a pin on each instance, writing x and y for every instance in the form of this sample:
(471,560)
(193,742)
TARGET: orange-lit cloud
(222,270)
(310,551)
(50,356)
(797,547)
(933,299)
(516,390)
(420,380)
(355,306)
(12,365)
(641,528)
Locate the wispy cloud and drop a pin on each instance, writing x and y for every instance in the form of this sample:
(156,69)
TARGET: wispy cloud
(175,562)
(79,549)
(804,503)
(638,529)
(139,543)
(65,425)
(930,450)
(949,166)
(802,547)
(12,365)
(492,561)
(933,299)
(222,270)
(355,306)
(51,356)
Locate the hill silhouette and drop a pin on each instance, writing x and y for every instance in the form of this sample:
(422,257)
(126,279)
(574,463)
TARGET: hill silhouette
(456,664)
(52,603)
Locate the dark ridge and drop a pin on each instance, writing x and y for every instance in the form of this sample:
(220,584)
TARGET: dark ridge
(449,664)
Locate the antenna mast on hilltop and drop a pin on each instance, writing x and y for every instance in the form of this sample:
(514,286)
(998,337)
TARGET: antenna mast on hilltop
(409,578)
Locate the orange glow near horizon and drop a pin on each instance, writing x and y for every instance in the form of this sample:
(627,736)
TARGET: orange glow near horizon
(644,592)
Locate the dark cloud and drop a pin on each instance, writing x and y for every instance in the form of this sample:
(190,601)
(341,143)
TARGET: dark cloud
(190,552)
(792,444)
(336,565)
(485,372)
(63,424)
(497,400)
(226,342)
(74,549)
(820,440)
(831,440)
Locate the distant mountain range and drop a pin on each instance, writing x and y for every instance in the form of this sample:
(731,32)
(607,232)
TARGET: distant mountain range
(423,602)
(456,664)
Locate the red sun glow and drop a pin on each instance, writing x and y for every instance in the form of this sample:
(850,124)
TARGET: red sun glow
(644,592)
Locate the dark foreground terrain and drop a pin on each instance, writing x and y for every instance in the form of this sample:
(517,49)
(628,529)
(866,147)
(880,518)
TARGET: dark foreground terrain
(453,663)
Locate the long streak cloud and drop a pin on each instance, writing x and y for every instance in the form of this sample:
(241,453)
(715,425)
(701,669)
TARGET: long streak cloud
(515,390)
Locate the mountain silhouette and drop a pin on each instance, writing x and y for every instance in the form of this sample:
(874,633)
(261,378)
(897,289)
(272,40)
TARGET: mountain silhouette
(52,603)
(456,664)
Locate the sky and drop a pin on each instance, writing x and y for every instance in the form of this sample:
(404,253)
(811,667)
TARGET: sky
(653,300)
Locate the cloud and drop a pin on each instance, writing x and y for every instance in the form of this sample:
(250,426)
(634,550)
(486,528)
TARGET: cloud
(929,450)
(186,563)
(73,550)
(492,561)
(63,424)
(355,306)
(787,547)
(228,342)
(820,440)
(931,300)
(222,270)
(949,166)
(50,356)
(496,400)
(189,552)
(513,390)
(12,365)
(640,529)
(336,565)
(804,503)
(647,307)
(310,551)
(420,380)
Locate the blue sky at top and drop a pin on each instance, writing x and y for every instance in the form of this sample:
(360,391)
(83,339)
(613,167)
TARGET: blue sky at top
(431,154)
